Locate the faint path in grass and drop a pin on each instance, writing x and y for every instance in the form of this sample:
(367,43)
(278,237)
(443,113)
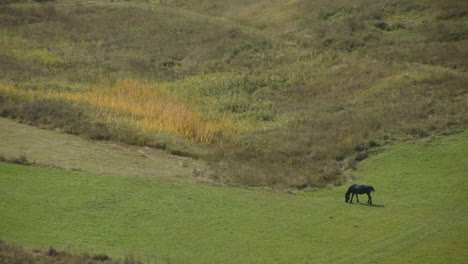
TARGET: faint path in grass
(54,149)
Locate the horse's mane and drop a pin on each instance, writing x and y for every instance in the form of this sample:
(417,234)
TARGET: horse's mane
(350,190)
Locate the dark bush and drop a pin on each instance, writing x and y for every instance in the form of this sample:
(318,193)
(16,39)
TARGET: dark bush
(381,25)
(362,156)
(52,252)
(101,257)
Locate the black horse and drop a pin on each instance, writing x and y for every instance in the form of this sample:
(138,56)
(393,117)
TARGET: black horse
(359,189)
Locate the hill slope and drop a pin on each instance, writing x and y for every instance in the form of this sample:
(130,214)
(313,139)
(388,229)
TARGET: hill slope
(271,92)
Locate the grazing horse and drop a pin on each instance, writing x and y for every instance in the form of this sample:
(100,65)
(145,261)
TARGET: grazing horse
(359,189)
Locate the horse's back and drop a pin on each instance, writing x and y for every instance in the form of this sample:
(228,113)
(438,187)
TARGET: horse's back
(366,188)
(360,189)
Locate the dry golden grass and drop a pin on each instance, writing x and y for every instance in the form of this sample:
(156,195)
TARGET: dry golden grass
(144,106)
(150,109)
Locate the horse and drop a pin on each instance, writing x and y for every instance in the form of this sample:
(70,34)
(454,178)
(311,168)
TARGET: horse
(359,189)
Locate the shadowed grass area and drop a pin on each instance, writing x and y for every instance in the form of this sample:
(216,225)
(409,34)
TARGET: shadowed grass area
(418,212)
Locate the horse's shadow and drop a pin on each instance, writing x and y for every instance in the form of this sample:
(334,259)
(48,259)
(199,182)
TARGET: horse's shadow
(370,205)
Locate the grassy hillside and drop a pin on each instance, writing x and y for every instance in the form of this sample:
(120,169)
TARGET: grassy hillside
(283,93)
(418,214)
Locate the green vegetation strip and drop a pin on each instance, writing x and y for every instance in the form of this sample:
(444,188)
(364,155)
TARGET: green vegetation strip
(419,214)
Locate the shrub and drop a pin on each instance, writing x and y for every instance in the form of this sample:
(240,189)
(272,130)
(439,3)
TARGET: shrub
(101,257)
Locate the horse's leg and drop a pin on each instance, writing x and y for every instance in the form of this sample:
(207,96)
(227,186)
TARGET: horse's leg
(370,198)
(357,197)
(352,196)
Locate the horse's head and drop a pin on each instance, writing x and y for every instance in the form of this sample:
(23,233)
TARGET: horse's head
(350,190)
(346,197)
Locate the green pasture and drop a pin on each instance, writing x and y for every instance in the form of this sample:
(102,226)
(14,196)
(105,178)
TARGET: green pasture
(419,214)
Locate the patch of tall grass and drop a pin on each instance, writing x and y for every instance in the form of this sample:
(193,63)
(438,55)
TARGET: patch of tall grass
(11,253)
(136,104)
(152,108)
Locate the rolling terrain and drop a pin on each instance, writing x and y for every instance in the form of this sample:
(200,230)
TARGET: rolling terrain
(269,93)
(220,131)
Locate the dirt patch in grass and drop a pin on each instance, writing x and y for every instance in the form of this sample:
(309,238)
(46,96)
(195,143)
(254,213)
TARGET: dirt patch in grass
(55,149)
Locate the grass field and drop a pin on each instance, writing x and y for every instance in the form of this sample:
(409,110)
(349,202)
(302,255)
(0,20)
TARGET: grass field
(275,105)
(419,214)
